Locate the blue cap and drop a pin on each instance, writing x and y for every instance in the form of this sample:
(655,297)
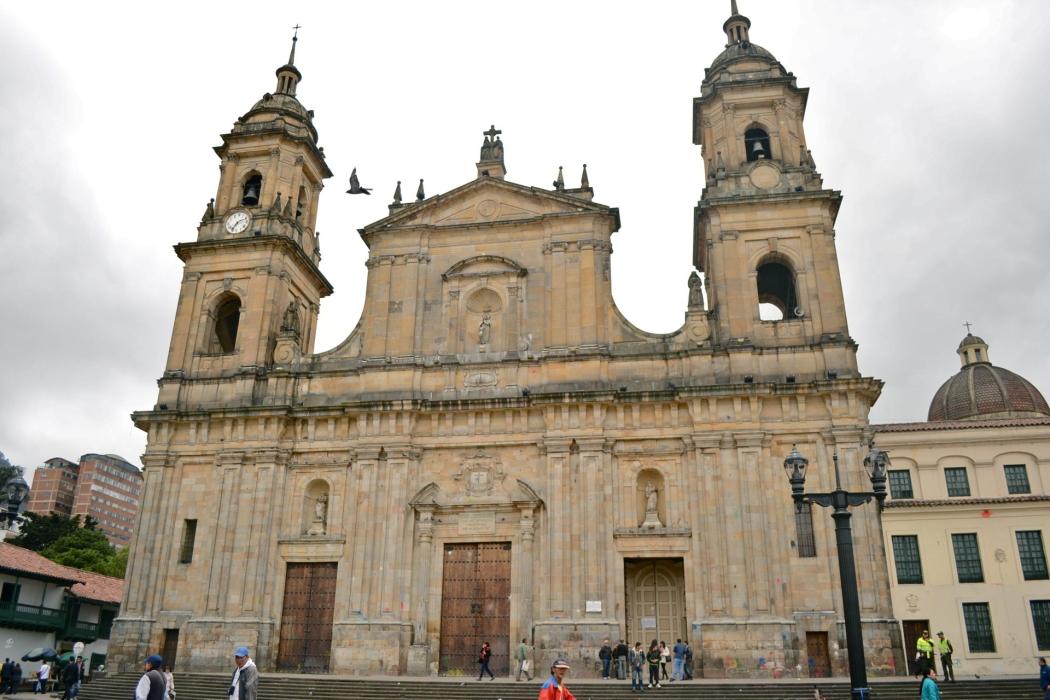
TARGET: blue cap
(154,660)
(560,663)
(240,651)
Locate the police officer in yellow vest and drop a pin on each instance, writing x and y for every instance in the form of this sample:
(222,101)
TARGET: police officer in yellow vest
(924,653)
(944,645)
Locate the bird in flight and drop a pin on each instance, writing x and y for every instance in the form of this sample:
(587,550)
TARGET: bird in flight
(355,185)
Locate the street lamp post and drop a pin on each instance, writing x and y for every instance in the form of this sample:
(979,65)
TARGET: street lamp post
(840,501)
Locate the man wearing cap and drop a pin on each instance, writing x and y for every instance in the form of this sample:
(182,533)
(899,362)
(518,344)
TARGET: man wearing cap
(151,686)
(245,682)
(554,688)
(924,653)
(944,646)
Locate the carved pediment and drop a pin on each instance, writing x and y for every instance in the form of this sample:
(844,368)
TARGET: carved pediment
(484,266)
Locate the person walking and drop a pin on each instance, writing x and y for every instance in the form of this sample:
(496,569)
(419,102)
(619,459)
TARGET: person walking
(554,687)
(6,671)
(928,689)
(522,657)
(924,653)
(944,646)
(169,682)
(678,668)
(687,666)
(620,657)
(605,656)
(1044,678)
(483,658)
(151,684)
(653,657)
(636,660)
(70,680)
(244,685)
(42,676)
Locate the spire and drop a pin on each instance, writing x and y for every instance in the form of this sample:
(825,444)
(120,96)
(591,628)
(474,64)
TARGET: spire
(736,26)
(559,183)
(585,182)
(288,76)
(972,350)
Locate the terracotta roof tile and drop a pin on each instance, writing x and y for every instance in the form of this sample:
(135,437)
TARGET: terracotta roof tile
(85,584)
(959,424)
(920,503)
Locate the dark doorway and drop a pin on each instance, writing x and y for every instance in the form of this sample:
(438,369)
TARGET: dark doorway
(817,656)
(913,629)
(306,619)
(475,607)
(654,592)
(171,648)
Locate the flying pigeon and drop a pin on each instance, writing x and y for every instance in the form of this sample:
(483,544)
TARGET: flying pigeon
(355,185)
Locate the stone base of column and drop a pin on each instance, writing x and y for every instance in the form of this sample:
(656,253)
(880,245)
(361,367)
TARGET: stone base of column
(578,641)
(418,663)
(371,648)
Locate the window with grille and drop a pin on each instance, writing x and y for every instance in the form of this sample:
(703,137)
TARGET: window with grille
(958,483)
(1041,623)
(906,558)
(979,628)
(1033,557)
(189,536)
(967,558)
(900,483)
(1017,479)
(807,544)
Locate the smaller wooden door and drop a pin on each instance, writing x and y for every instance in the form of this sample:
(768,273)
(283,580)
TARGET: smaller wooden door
(913,629)
(818,659)
(306,619)
(475,607)
(171,647)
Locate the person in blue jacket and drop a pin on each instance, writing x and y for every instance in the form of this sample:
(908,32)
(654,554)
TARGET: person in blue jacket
(1044,678)
(929,689)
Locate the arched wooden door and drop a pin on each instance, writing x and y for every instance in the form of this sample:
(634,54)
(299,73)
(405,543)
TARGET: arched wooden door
(655,600)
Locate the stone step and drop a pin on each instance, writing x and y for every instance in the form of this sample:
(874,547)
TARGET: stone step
(198,686)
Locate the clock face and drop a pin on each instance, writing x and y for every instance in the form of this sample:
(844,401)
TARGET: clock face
(238,221)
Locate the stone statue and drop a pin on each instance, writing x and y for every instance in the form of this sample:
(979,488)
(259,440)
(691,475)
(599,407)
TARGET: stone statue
(290,322)
(652,517)
(485,329)
(320,522)
(526,342)
(696,296)
(486,149)
(497,149)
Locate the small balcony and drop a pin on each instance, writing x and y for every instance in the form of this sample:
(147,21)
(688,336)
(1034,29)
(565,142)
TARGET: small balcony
(31,617)
(78,631)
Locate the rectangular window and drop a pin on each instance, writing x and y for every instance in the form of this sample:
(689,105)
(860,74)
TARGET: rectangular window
(807,544)
(1017,479)
(1033,557)
(900,483)
(189,535)
(958,483)
(979,628)
(1041,623)
(906,558)
(967,558)
(9,593)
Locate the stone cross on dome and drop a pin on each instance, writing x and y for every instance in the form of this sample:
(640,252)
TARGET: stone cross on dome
(967,324)
(490,164)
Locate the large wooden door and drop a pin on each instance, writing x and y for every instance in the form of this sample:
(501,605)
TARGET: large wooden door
(818,656)
(655,600)
(913,629)
(306,619)
(170,648)
(475,607)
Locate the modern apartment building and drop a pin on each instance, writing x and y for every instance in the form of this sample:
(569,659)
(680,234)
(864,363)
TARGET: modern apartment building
(54,487)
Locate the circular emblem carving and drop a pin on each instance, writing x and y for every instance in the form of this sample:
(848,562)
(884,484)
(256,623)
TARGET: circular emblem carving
(765,176)
(488,208)
(283,355)
(699,332)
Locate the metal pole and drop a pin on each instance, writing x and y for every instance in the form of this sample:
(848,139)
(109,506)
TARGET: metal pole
(858,675)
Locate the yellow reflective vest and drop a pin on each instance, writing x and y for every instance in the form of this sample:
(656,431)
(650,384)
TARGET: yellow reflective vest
(945,645)
(924,647)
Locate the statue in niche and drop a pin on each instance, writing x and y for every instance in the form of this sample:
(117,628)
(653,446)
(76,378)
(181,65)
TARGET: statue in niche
(526,342)
(290,322)
(696,296)
(652,517)
(485,329)
(320,522)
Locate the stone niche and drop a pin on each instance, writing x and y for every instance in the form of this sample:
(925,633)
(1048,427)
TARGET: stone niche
(484,306)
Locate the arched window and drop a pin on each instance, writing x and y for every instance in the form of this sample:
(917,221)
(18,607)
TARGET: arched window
(777,298)
(300,204)
(756,144)
(252,190)
(227,317)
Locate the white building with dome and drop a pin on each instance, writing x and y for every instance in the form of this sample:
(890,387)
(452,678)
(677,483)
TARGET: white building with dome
(968,518)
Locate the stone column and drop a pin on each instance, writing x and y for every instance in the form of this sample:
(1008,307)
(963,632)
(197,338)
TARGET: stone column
(421,572)
(594,533)
(559,553)
(229,467)
(528,536)
(360,545)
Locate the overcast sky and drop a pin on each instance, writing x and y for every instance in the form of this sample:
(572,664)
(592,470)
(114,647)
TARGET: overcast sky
(929,116)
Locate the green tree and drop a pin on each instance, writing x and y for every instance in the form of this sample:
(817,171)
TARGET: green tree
(83,548)
(40,531)
(117,565)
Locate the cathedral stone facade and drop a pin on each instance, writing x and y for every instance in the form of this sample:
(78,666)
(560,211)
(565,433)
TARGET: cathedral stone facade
(495,452)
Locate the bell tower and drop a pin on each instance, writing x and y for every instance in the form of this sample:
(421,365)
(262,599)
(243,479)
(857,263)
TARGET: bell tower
(251,285)
(765,225)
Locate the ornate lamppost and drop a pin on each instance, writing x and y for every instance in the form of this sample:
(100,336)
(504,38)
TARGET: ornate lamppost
(840,500)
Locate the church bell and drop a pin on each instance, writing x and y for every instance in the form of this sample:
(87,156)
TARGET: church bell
(251,195)
(757,150)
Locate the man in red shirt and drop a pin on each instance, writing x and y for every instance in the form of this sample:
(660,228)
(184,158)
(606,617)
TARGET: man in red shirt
(554,688)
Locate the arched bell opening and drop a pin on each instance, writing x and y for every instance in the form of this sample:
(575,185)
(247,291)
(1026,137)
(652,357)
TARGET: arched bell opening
(251,189)
(777,293)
